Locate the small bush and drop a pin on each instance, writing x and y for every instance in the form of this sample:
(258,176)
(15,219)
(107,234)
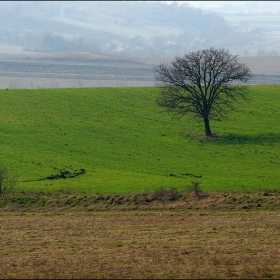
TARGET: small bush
(196,189)
(7,181)
(163,194)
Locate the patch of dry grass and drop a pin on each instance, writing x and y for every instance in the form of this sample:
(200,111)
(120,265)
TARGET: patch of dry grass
(140,244)
(162,198)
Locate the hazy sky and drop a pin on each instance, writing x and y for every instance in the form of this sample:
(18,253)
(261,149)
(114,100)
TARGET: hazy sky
(244,6)
(203,4)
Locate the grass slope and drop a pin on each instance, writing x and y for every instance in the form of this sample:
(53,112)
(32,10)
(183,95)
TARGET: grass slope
(125,144)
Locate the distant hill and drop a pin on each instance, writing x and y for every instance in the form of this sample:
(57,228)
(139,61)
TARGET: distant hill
(78,69)
(130,28)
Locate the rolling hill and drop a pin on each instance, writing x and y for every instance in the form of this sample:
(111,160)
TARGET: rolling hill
(125,144)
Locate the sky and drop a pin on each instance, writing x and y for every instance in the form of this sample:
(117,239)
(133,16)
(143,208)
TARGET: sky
(202,4)
(244,6)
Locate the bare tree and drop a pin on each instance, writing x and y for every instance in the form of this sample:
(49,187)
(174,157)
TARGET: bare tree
(203,82)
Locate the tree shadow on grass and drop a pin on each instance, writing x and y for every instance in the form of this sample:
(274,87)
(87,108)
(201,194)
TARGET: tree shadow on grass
(261,138)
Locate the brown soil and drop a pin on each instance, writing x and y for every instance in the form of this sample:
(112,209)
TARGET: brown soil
(163,235)
(145,244)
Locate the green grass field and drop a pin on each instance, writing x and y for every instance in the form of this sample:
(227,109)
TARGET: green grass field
(125,144)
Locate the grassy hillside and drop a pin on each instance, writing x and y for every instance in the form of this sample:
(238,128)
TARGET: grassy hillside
(125,144)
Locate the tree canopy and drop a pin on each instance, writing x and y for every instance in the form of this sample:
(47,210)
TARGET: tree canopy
(204,83)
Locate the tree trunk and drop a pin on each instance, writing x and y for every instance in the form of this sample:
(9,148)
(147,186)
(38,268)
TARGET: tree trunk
(207,127)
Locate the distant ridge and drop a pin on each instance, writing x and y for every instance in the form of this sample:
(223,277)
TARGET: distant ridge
(265,65)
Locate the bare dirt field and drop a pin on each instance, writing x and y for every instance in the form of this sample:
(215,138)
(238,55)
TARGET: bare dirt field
(141,244)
